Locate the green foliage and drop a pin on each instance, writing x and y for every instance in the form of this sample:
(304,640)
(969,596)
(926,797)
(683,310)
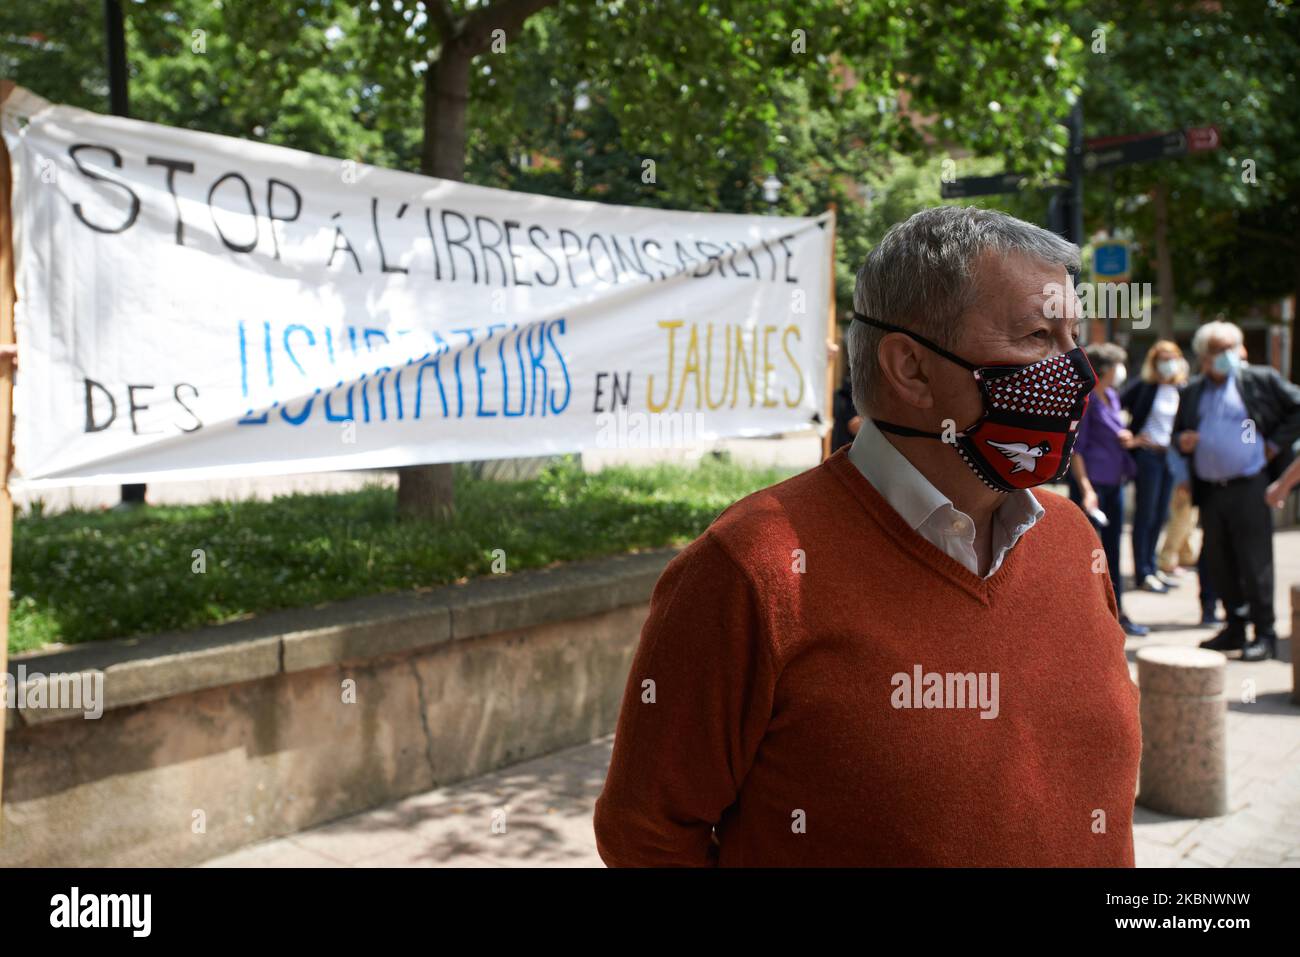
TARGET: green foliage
(1169,65)
(82,576)
(56,48)
(718,98)
(719,94)
(286,75)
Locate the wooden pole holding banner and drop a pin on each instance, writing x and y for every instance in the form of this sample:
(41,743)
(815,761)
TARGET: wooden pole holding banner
(8,296)
(832,330)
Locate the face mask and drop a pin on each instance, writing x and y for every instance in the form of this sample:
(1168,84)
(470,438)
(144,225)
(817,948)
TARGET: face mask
(1227,362)
(1121,374)
(1030,421)
(1168,368)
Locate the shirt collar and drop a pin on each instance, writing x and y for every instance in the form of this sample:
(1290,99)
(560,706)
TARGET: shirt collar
(913,496)
(901,484)
(1020,510)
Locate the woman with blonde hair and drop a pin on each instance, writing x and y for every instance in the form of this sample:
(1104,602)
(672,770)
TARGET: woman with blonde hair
(1176,551)
(1152,402)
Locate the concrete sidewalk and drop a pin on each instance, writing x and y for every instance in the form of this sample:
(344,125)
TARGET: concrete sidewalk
(538,814)
(1263,828)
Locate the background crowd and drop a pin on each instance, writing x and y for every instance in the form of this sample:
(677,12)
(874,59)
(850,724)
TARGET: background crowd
(1208,451)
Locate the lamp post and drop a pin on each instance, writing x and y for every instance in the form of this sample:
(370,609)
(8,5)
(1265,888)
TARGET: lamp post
(115,35)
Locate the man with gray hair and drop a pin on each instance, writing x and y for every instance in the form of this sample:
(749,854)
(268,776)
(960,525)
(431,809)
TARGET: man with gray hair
(909,655)
(1236,424)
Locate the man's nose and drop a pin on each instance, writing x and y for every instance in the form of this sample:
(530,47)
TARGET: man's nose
(1064,338)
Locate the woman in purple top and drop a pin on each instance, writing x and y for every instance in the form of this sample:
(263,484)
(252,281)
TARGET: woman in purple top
(1101,464)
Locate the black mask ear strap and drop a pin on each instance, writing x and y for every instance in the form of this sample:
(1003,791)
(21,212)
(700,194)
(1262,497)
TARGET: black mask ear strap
(919,338)
(906,430)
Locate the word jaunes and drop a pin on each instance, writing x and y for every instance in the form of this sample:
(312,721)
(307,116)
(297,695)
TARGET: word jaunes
(709,369)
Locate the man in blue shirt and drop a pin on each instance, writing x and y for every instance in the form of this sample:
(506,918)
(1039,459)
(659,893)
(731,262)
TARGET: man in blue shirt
(1235,425)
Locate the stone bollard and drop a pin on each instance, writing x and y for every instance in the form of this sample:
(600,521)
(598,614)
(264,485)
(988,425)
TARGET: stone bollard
(1184,731)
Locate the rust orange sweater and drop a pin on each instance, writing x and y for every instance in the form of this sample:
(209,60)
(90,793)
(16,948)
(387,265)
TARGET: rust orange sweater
(826,687)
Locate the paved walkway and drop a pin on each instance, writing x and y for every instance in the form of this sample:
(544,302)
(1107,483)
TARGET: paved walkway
(1263,828)
(546,804)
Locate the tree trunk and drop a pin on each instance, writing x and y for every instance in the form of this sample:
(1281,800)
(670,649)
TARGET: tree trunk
(1164,264)
(428,492)
(446,98)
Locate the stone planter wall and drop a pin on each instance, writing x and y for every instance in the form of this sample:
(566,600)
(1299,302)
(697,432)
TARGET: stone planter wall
(213,739)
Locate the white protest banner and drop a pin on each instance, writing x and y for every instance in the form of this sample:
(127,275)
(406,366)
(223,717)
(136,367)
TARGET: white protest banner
(193,306)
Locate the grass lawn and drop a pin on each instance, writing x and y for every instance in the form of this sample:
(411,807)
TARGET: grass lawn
(84,576)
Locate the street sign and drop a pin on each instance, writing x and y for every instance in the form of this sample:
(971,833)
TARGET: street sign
(1143,150)
(981,185)
(1201,139)
(1111,151)
(1065,205)
(1110,261)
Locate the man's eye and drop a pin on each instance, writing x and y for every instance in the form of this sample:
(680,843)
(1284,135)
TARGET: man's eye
(1047,334)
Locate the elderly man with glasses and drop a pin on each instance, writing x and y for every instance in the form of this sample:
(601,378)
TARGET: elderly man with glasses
(1235,425)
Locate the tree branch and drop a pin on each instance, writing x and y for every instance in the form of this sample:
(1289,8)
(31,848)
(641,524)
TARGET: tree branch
(444,18)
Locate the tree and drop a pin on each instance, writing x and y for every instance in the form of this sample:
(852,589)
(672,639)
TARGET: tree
(1171,64)
(39,50)
(461,35)
(719,95)
(286,76)
(696,87)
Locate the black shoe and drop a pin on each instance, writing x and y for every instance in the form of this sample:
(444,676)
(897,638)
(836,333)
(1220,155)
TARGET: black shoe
(1229,639)
(1136,631)
(1209,617)
(1262,648)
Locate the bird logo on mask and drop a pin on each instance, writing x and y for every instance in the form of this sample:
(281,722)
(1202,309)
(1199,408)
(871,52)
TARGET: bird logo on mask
(1022,454)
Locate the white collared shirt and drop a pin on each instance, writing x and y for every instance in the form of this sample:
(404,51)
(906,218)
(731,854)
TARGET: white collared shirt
(929,511)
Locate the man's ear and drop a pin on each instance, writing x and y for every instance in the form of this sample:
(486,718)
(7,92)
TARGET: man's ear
(904,367)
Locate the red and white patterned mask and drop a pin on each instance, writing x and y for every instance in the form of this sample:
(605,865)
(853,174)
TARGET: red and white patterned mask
(1030,421)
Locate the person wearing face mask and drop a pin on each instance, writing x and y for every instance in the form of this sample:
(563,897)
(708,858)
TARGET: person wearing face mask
(1236,425)
(1101,465)
(1152,402)
(852,666)
(1176,552)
